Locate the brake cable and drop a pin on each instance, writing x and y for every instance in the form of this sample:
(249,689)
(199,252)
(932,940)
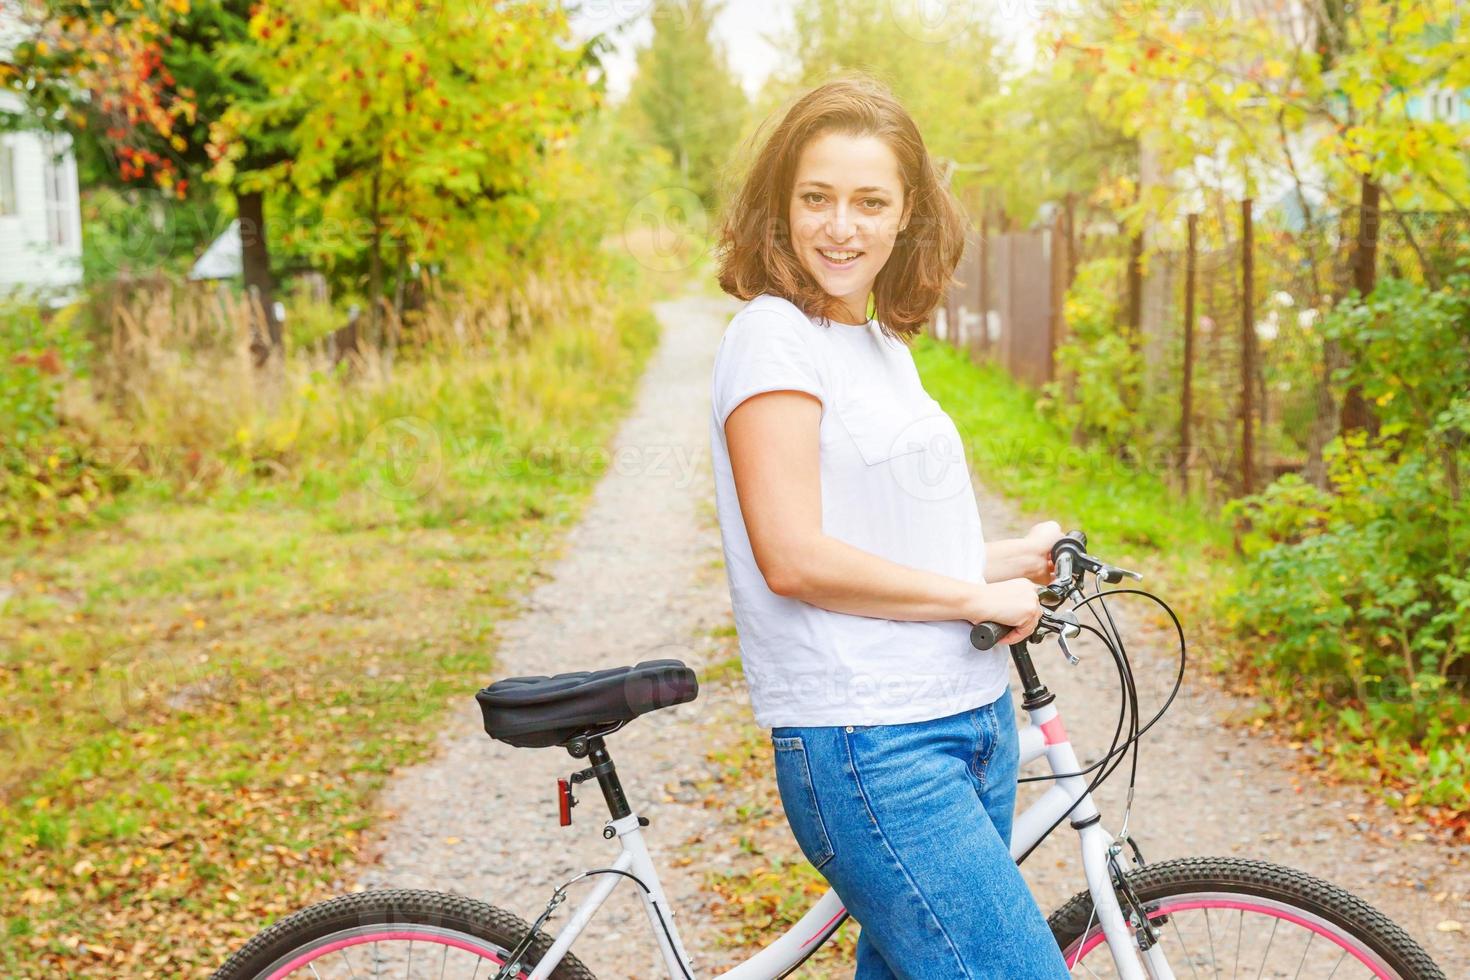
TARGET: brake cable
(1128,708)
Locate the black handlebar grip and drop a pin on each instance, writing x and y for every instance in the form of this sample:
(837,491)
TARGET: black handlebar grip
(983,636)
(1073,541)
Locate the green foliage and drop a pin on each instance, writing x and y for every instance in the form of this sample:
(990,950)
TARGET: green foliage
(1045,117)
(1100,370)
(1409,349)
(1019,452)
(684,98)
(1351,606)
(137,232)
(1361,592)
(424,131)
(49,474)
(36,355)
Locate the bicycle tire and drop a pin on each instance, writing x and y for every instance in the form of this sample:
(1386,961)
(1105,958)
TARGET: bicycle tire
(313,928)
(1167,884)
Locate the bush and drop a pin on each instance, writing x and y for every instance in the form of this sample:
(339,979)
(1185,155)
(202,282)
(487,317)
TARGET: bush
(52,471)
(1100,369)
(1361,591)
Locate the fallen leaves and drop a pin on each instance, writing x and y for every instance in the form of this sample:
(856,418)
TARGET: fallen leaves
(168,833)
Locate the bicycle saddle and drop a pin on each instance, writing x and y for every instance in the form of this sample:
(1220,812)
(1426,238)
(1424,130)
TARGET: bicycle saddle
(536,712)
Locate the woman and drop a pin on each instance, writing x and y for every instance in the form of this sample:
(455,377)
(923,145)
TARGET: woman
(854,551)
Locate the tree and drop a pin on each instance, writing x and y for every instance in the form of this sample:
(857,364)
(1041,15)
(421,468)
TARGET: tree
(1323,100)
(1339,101)
(138,85)
(684,97)
(407,133)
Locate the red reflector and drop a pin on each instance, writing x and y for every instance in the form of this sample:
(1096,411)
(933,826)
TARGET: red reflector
(564,801)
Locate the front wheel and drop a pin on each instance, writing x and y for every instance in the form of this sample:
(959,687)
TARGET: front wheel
(1229,917)
(393,933)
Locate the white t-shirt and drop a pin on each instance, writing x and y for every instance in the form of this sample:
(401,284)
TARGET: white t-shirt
(894,483)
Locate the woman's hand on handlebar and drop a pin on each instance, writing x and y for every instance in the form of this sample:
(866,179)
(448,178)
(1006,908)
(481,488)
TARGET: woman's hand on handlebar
(1012,602)
(1039,541)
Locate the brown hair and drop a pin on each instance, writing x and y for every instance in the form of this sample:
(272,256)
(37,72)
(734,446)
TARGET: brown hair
(754,247)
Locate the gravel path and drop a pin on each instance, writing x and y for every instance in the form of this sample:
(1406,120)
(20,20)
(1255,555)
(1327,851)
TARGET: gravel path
(640,578)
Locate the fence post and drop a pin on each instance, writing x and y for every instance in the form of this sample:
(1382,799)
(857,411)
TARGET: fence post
(1069,206)
(1187,395)
(1070,209)
(1355,411)
(1135,290)
(985,280)
(1061,261)
(1247,351)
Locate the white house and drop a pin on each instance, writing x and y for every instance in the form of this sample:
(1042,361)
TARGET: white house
(40,211)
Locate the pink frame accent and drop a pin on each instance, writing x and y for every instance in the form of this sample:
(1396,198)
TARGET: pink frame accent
(378,937)
(1098,938)
(1054,732)
(822,932)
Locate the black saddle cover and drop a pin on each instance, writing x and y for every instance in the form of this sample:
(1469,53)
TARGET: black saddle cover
(535,712)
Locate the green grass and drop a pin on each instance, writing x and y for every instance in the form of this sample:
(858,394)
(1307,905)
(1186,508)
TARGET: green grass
(1016,452)
(204,689)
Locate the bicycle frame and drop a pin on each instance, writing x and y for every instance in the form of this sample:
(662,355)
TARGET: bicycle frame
(1044,736)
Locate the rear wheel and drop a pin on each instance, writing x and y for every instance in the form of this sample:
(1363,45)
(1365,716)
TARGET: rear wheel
(1230,917)
(395,933)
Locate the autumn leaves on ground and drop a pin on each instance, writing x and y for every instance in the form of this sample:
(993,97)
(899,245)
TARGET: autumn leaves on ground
(202,695)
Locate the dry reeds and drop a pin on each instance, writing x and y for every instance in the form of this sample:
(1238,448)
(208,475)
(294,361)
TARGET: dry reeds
(178,388)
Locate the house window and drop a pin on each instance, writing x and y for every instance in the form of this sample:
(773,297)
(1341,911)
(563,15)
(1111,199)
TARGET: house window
(7,179)
(1447,105)
(58,194)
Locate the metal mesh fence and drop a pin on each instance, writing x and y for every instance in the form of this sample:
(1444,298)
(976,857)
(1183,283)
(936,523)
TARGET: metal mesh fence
(1299,263)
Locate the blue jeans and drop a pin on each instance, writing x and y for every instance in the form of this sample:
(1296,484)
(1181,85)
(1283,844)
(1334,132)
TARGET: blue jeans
(911,825)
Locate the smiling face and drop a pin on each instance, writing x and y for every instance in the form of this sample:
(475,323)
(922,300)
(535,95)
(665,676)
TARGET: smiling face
(847,208)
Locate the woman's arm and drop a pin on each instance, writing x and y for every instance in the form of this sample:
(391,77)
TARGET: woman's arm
(1028,557)
(773,442)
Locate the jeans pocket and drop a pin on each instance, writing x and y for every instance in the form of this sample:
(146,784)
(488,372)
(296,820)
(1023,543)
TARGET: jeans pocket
(799,799)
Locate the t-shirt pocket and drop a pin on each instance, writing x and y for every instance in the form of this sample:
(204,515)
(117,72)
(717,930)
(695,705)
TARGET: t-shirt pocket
(883,428)
(920,443)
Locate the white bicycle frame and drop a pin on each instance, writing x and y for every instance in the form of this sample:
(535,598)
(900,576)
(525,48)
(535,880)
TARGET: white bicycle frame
(1044,736)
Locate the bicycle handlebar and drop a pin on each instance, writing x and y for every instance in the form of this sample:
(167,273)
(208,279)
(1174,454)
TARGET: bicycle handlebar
(1072,561)
(983,636)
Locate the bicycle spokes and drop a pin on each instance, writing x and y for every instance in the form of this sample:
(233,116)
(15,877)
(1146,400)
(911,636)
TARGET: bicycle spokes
(1227,935)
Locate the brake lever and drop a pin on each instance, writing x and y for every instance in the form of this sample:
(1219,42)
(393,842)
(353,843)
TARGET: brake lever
(1112,574)
(1063,623)
(1051,596)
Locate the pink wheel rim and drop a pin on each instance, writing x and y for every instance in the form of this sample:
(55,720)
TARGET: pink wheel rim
(1097,938)
(392,934)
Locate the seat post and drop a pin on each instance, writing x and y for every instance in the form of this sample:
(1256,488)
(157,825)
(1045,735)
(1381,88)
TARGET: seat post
(607,778)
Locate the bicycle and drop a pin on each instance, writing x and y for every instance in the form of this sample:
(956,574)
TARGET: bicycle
(1153,919)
